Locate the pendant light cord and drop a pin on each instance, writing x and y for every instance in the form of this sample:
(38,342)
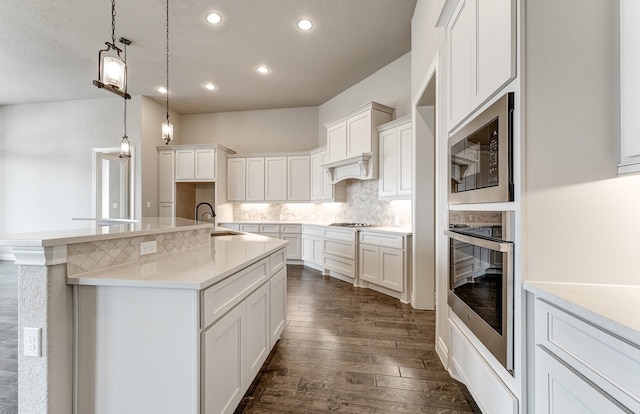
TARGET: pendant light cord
(125,95)
(113,22)
(167,61)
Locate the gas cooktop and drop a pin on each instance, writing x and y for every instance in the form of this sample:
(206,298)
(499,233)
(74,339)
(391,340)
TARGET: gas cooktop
(350,224)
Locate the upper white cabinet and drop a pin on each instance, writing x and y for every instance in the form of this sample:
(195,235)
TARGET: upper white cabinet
(196,164)
(481,39)
(166,176)
(396,159)
(629,87)
(275,178)
(352,142)
(269,178)
(321,187)
(255,179)
(298,178)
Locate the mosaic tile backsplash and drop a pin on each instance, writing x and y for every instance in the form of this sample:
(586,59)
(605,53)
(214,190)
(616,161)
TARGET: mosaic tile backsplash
(91,256)
(362,206)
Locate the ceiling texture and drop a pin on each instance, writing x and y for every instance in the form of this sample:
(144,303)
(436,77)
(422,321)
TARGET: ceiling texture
(49,49)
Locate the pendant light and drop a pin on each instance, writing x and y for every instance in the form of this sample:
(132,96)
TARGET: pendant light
(125,145)
(112,69)
(167,127)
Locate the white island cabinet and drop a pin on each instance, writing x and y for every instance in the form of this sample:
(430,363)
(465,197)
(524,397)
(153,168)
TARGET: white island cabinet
(185,333)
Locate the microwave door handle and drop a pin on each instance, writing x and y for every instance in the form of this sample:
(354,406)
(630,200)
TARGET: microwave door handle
(476,241)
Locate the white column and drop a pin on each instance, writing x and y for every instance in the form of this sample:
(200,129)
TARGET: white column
(45,301)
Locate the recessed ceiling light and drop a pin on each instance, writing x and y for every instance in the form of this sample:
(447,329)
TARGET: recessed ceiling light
(263,69)
(162,89)
(210,86)
(214,18)
(304,24)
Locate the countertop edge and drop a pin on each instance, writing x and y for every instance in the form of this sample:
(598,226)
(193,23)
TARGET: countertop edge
(563,295)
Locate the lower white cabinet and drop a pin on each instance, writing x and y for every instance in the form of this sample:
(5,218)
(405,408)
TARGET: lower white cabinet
(384,261)
(166,209)
(222,351)
(294,248)
(580,367)
(278,304)
(258,333)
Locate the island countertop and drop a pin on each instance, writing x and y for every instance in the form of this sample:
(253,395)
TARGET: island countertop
(144,227)
(197,268)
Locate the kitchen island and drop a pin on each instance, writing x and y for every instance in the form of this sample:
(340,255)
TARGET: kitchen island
(182,329)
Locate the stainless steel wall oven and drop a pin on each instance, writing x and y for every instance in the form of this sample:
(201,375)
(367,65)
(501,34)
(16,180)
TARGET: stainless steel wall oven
(481,156)
(481,277)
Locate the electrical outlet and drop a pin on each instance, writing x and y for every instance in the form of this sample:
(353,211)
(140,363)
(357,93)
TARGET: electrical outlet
(32,338)
(149,247)
(148,204)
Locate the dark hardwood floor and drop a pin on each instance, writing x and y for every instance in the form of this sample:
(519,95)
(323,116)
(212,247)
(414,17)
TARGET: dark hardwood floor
(354,351)
(8,338)
(344,349)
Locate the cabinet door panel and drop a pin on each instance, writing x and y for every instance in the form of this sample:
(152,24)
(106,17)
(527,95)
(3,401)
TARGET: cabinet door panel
(236,179)
(337,141)
(316,161)
(298,180)
(459,63)
(258,335)
(166,177)
(223,353)
(370,263)
(294,246)
(405,160)
(275,178)
(255,179)
(185,164)
(205,164)
(392,268)
(278,304)
(359,134)
(493,55)
(388,163)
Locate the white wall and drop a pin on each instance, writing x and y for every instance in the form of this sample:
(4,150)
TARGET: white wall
(45,159)
(289,129)
(581,221)
(389,86)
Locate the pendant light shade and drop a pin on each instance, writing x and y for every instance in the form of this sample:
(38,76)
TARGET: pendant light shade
(167,131)
(112,68)
(125,148)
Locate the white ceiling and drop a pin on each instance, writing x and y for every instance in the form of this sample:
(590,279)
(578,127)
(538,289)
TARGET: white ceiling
(49,49)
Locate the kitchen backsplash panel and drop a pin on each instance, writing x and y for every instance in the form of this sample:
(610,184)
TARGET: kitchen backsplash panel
(362,206)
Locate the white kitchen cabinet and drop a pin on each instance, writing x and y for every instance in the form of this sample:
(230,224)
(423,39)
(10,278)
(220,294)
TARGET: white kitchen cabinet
(275,177)
(255,179)
(396,159)
(278,304)
(353,135)
(384,263)
(298,178)
(312,246)
(321,187)
(222,348)
(236,179)
(629,87)
(481,40)
(339,253)
(579,366)
(166,176)
(166,209)
(258,333)
(294,247)
(196,164)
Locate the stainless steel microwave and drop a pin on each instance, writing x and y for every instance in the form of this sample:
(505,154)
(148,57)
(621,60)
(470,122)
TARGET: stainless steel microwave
(481,157)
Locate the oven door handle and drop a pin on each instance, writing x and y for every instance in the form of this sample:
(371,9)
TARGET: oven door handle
(477,241)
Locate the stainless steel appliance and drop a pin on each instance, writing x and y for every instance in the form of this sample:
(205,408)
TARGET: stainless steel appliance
(481,157)
(481,277)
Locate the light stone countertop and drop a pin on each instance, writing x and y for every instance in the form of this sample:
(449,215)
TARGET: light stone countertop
(144,227)
(615,308)
(197,268)
(381,229)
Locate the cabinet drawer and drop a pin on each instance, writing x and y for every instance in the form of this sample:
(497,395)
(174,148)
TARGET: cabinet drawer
(347,236)
(269,228)
(250,228)
(341,265)
(346,250)
(274,235)
(290,228)
(224,295)
(277,261)
(589,349)
(313,231)
(385,240)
